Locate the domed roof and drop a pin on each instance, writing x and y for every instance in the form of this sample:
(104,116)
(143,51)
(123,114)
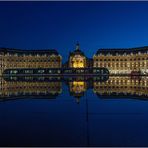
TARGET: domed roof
(77,51)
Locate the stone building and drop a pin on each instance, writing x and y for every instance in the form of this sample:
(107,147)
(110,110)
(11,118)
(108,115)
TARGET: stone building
(19,59)
(77,59)
(117,61)
(122,61)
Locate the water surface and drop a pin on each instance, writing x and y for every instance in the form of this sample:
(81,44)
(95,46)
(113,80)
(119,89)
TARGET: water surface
(74,112)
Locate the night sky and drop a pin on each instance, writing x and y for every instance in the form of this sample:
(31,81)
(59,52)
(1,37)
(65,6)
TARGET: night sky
(59,25)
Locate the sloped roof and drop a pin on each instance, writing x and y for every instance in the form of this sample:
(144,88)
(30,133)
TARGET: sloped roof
(114,51)
(22,51)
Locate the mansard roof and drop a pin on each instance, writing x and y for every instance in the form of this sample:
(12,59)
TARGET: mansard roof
(121,51)
(77,52)
(22,51)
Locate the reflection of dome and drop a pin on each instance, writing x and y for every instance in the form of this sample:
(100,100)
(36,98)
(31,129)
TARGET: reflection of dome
(77,96)
(78,99)
(78,87)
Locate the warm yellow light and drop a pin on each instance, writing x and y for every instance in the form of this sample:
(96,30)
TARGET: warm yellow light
(78,86)
(78,83)
(78,65)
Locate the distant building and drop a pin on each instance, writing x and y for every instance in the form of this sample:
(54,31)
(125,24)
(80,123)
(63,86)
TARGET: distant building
(19,59)
(122,61)
(117,61)
(77,59)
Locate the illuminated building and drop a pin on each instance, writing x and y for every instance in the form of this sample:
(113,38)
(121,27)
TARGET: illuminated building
(112,61)
(122,61)
(77,59)
(19,59)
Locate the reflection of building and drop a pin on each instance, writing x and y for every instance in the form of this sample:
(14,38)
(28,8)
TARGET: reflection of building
(13,59)
(78,86)
(40,87)
(20,89)
(122,86)
(122,60)
(44,86)
(77,89)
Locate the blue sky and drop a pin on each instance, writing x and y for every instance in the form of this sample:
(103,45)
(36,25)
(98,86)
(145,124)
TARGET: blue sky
(59,25)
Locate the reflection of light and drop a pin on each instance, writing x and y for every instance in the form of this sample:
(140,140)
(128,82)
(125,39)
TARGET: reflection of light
(125,85)
(23,88)
(78,86)
(80,83)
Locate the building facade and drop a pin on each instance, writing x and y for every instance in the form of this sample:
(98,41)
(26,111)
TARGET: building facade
(117,61)
(77,59)
(122,61)
(19,59)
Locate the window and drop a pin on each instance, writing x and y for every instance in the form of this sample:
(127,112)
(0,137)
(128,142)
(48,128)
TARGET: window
(28,71)
(41,71)
(13,71)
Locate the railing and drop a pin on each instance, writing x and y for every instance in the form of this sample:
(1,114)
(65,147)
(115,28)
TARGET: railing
(56,71)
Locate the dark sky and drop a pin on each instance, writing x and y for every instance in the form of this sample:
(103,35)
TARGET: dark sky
(59,25)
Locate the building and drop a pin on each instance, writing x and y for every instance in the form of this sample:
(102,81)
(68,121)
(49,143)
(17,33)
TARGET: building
(116,61)
(19,59)
(77,59)
(122,61)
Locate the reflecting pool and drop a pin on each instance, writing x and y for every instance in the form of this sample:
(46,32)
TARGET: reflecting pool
(74,111)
